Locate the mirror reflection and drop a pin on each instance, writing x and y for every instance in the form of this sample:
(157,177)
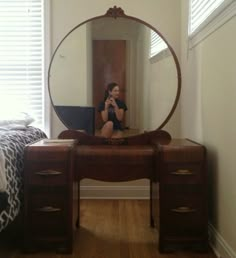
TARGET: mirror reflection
(106,50)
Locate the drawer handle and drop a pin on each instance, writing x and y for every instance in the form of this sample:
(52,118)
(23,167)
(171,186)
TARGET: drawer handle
(182,172)
(48,209)
(48,173)
(184,209)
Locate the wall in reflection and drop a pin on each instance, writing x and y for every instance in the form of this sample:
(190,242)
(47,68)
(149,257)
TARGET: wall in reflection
(70,76)
(163,74)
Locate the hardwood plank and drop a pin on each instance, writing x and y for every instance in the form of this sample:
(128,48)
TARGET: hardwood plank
(111,229)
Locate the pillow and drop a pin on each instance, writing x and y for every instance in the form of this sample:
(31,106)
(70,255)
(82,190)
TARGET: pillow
(15,119)
(12,127)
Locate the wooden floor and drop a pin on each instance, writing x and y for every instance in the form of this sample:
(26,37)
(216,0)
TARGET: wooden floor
(111,229)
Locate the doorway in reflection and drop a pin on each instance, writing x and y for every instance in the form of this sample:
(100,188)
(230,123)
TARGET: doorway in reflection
(109,65)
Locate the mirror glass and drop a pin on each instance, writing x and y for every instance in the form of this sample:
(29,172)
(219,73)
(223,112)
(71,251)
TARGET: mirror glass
(120,50)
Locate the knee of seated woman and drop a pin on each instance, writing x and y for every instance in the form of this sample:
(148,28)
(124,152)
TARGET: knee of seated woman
(109,124)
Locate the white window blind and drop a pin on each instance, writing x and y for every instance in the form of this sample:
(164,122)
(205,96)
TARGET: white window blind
(21,57)
(157,44)
(200,10)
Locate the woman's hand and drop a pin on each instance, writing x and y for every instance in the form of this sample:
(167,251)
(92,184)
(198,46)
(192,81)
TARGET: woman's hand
(119,112)
(113,102)
(110,102)
(107,103)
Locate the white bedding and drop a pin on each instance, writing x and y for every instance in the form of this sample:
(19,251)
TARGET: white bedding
(12,144)
(3,181)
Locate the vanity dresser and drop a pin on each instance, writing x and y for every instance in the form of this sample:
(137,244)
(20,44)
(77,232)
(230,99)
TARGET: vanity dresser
(48,195)
(150,86)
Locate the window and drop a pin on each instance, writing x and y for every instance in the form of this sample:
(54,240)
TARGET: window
(157,44)
(22,57)
(204,11)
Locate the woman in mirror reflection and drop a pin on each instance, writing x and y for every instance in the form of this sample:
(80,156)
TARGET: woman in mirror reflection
(112,111)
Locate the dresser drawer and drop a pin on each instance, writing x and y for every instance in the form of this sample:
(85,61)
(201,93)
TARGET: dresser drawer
(182,173)
(47,173)
(46,154)
(183,214)
(48,212)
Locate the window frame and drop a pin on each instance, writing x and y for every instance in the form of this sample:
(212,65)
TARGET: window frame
(153,58)
(47,108)
(222,14)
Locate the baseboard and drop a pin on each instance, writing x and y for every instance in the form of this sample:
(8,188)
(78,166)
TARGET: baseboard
(219,245)
(113,192)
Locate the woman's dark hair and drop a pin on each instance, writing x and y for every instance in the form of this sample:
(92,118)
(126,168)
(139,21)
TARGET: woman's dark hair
(110,87)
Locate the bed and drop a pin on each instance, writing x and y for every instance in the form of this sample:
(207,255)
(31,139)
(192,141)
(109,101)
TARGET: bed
(12,143)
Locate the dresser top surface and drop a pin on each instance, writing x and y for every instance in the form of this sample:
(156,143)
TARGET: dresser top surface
(181,143)
(54,142)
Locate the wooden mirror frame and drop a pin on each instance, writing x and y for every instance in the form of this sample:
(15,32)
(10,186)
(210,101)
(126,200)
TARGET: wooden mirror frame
(116,12)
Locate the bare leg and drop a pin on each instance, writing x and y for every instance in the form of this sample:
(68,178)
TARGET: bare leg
(107,129)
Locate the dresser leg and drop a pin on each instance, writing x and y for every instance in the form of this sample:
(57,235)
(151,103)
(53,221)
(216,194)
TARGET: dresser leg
(78,213)
(150,205)
(77,224)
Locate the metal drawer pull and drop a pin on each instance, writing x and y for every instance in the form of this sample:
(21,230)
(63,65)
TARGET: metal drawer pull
(48,209)
(182,172)
(48,173)
(183,209)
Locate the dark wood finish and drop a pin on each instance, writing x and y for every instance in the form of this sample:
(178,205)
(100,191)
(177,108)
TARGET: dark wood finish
(128,158)
(115,12)
(110,229)
(109,65)
(114,163)
(148,138)
(115,160)
(181,183)
(176,169)
(48,195)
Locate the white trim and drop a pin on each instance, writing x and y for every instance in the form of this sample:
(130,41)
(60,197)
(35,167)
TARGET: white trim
(220,247)
(223,15)
(113,192)
(47,57)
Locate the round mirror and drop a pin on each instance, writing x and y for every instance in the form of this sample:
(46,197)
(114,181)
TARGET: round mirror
(114,48)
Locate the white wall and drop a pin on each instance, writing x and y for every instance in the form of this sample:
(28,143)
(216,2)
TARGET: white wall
(164,74)
(208,115)
(142,85)
(71,87)
(164,15)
